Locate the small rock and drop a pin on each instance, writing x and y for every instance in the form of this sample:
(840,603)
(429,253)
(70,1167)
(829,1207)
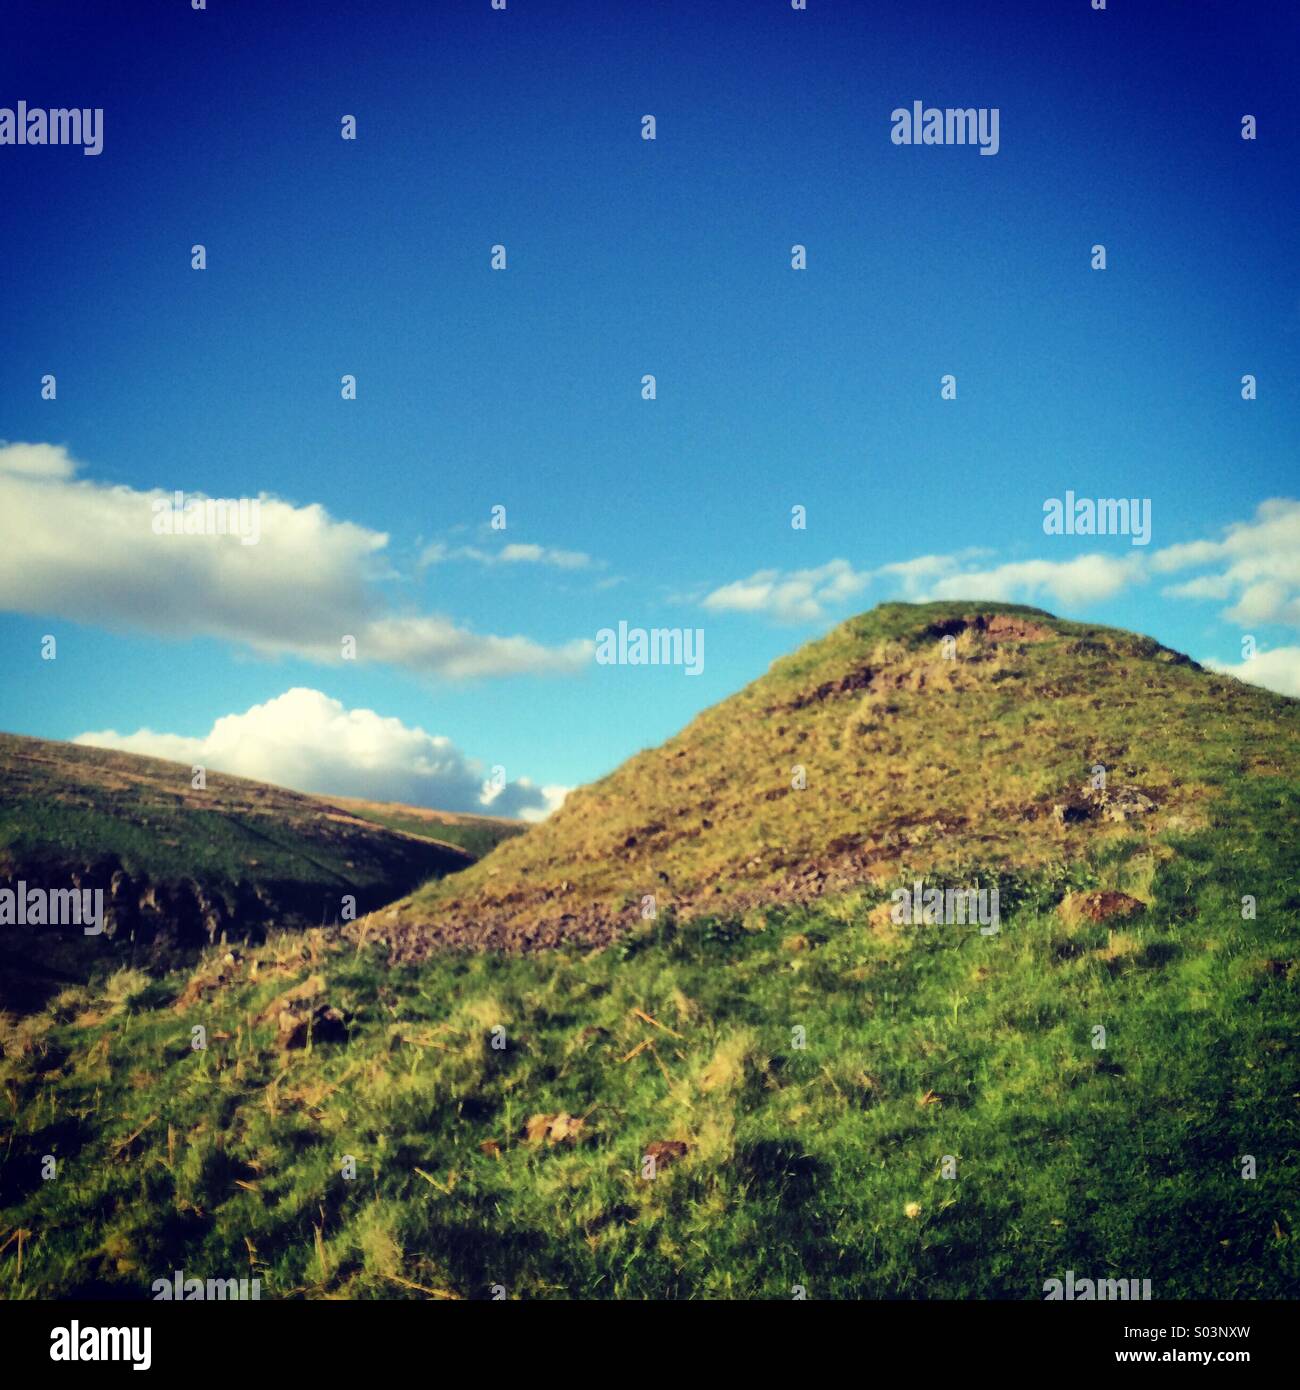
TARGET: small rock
(554,1129)
(1097,907)
(324,1024)
(666,1151)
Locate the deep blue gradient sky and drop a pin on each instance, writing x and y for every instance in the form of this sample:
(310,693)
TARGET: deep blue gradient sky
(672,257)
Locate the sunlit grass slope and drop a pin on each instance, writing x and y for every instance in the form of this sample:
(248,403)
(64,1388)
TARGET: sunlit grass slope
(911,750)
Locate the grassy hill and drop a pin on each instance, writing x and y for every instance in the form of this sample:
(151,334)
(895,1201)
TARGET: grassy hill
(181,867)
(771,1083)
(910,762)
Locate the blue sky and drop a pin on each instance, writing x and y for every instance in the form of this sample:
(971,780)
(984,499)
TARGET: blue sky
(522,387)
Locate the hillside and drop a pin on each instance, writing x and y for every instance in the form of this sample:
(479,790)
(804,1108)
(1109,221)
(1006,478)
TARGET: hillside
(181,868)
(773,1084)
(474,833)
(981,762)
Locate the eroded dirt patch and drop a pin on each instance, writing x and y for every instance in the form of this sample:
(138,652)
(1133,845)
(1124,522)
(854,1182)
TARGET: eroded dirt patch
(861,679)
(996,627)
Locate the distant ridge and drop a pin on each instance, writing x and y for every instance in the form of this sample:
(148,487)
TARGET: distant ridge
(181,868)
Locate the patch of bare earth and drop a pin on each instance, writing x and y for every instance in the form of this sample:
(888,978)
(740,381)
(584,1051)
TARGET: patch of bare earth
(519,921)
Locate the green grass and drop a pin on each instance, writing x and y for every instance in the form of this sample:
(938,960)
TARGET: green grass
(818,1166)
(803,1164)
(211,845)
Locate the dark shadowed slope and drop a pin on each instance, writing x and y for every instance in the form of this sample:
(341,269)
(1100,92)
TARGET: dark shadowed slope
(181,867)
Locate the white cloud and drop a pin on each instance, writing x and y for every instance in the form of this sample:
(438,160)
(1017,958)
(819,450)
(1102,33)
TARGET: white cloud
(305,740)
(917,573)
(437,644)
(1257,562)
(545,555)
(1072,583)
(803,595)
(36,460)
(86,551)
(793,596)
(921,568)
(517,553)
(1278,670)
(1216,586)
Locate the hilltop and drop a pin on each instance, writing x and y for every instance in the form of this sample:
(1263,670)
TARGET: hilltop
(949,737)
(182,867)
